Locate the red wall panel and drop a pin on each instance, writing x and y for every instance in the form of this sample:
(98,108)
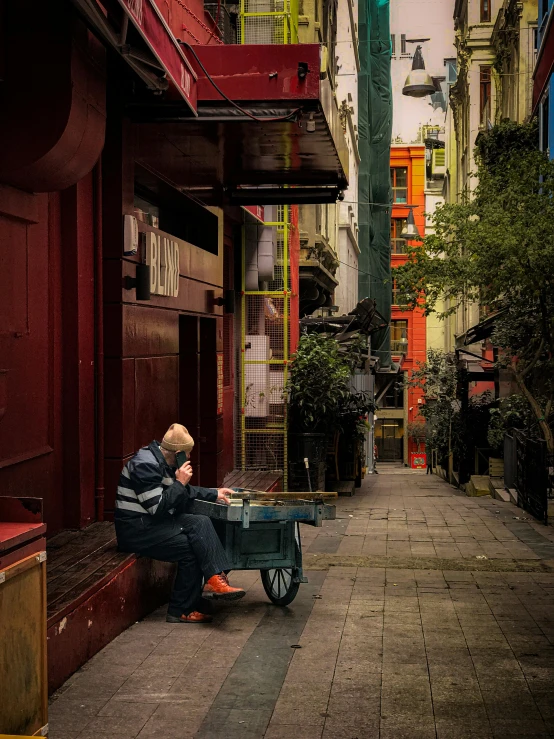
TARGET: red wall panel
(30,451)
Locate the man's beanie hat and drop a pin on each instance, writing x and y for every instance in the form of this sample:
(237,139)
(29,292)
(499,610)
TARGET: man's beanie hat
(177,439)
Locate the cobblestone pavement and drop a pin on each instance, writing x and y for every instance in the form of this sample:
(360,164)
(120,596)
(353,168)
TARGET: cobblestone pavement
(427,615)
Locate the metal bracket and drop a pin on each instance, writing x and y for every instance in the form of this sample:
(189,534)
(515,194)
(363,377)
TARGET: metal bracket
(2,577)
(42,557)
(44,730)
(318,514)
(246,513)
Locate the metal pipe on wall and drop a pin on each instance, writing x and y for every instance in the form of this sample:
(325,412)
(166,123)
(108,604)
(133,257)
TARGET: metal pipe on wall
(99,342)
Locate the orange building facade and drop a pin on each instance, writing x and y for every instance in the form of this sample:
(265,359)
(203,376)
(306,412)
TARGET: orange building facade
(399,406)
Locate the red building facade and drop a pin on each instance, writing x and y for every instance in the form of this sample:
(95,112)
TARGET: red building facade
(400,405)
(117,153)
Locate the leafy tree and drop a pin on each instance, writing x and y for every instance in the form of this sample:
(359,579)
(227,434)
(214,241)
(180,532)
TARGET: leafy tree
(417,431)
(438,379)
(511,413)
(497,248)
(318,384)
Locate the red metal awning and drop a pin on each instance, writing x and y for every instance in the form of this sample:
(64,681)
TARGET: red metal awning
(239,124)
(137,29)
(277,138)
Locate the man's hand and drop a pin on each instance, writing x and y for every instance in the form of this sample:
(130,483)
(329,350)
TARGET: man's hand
(224,495)
(184,473)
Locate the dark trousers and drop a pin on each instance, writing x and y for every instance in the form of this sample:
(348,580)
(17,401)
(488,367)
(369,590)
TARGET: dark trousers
(429,469)
(199,555)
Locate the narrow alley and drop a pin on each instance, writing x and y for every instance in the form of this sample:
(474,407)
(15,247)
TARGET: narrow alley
(427,614)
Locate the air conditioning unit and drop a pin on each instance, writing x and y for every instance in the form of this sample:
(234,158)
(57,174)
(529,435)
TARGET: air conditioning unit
(256,376)
(438,163)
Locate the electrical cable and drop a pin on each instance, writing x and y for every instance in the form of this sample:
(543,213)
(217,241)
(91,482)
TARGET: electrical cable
(288,117)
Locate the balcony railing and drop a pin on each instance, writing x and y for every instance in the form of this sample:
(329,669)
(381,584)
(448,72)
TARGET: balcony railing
(268,22)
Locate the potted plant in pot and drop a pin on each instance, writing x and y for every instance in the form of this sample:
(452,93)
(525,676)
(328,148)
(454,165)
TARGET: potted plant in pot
(352,426)
(318,383)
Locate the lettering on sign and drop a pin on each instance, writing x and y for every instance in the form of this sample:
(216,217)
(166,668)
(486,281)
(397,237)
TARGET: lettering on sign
(135,6)
(185,80)
(162,256)
(219,383)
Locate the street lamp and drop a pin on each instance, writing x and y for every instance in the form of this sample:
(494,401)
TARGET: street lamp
(419,82)
(410,232)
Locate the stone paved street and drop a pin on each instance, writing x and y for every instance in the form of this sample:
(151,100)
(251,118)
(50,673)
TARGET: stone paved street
(427,614)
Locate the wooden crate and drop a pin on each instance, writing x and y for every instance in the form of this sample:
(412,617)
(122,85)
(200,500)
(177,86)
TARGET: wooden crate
(23,669)
(496,467)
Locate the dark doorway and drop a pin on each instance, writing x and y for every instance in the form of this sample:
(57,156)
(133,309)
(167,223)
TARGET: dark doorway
(389,437)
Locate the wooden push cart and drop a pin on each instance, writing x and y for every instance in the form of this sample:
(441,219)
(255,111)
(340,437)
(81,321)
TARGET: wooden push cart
(261,531)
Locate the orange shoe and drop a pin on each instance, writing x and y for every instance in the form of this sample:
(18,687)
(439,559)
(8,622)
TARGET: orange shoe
(193,618)
(218,587)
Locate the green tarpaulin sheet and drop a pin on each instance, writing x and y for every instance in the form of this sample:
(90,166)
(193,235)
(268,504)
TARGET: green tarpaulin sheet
(374,189)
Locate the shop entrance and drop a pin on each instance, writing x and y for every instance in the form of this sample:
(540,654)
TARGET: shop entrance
(200,384)
(389,438)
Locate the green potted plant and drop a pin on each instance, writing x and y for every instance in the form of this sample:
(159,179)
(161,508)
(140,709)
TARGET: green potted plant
(318,383)
(352,426)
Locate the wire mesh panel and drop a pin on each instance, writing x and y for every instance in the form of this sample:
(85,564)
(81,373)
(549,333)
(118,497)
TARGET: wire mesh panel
(268,22)
(264,347)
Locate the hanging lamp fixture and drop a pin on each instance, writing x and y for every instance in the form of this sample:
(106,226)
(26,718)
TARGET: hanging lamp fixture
(419,82)
(410,232)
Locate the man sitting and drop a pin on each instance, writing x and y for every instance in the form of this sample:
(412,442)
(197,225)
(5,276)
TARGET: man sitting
(151,519)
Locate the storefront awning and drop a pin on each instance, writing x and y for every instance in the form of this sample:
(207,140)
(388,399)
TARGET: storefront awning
(238,124)
(269,134)
(137,29)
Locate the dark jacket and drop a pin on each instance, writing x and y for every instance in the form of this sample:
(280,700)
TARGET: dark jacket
(149,499)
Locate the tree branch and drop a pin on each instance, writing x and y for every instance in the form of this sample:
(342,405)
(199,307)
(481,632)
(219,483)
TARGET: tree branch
(534,361)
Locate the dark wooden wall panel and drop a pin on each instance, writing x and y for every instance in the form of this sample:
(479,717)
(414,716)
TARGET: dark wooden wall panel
(149,331)
(156,397)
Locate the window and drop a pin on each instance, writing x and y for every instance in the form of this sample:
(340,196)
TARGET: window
(394,397)
(393,44)
(397,244)
(399,182)
(162,206)
(451,71)
(403,44)
(399,337)
(485,94)
(394,300)
(486,11)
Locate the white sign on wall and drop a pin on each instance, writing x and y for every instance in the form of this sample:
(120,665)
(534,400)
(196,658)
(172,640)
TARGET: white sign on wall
(162,256)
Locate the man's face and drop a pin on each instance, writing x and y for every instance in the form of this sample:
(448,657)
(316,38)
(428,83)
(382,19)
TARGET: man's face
(170,458)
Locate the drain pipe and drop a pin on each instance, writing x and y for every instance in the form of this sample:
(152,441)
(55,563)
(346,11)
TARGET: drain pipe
(99,341)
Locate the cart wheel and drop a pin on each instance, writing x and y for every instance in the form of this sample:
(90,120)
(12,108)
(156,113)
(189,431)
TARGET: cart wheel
(280,586)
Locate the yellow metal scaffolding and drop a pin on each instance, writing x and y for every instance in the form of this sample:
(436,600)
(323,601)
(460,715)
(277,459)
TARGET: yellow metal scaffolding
(265,355)
(268,22)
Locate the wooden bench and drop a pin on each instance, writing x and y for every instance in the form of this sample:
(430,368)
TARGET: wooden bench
(94,593)
(268,482)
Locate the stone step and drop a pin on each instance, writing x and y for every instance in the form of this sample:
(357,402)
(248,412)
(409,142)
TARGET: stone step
(502,494)
(478,486)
